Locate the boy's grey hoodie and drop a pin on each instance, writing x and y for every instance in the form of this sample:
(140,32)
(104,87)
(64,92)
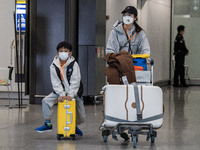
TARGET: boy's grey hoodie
(117,39)
(69,90)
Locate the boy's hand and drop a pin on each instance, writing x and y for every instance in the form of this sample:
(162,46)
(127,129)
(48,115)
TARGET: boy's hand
(62,98)
(68,98)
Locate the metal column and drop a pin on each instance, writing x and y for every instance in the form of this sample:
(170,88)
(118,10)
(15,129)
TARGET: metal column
(71,30)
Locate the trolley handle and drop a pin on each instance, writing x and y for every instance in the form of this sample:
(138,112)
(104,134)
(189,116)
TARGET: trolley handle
(150,61)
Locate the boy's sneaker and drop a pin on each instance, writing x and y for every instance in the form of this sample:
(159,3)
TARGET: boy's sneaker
(45,128)
(78,131)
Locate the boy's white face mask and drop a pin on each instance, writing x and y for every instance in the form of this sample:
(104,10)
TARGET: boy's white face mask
(127,20)
(63,55)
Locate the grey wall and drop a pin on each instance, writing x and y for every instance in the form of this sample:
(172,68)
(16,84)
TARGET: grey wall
(155,20)
(7,35)
(6,30)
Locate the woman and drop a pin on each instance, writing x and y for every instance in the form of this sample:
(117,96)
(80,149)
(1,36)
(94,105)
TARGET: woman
(128,35)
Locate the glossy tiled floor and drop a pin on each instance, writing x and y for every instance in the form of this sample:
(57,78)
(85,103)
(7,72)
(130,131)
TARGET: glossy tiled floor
(180,130)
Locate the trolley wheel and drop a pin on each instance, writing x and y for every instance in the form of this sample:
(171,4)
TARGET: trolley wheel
(134,139)
(105,138)
(153,139)
(73,136)
(59,136)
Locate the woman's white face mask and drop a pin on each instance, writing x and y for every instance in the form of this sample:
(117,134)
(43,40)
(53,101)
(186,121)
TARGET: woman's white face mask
(63,55)
(127,20)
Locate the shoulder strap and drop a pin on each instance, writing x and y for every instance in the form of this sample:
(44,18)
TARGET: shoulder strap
(69,74)
(70,71)
(128,41)
(129,49)
(57,71)
(58,74)
(80,90)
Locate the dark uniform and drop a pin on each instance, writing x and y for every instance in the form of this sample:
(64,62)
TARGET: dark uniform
(180,51)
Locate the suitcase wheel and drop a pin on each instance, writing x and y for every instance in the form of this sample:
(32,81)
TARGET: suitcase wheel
(73,136)
(59,136)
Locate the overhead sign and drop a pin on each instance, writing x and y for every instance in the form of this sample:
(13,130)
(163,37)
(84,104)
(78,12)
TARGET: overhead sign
(21,10)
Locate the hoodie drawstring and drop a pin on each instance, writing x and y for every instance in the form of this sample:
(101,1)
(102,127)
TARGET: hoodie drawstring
(62,70)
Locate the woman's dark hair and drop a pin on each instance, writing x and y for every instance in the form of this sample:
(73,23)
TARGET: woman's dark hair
(137,27)
(64,44)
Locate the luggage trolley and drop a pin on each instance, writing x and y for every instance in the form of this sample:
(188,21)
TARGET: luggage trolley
(145,124)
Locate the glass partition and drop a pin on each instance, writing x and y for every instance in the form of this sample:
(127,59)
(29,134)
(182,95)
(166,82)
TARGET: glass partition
(187,13)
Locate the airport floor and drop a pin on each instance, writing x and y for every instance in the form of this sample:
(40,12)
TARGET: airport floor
(180,130)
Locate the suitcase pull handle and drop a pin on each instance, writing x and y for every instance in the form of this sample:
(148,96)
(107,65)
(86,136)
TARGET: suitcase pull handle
(70,118)
(66,106)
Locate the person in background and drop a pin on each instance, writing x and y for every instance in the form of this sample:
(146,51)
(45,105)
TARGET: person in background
(180,51)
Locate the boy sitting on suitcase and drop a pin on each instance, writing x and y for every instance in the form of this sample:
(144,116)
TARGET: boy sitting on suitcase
(66,82)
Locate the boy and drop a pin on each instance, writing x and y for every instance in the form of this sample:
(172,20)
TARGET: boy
(66,82)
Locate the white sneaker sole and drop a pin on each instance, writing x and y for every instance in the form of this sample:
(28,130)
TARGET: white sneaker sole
(43,131)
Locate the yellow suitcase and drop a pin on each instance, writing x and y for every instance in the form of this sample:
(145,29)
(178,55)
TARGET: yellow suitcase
(66,119)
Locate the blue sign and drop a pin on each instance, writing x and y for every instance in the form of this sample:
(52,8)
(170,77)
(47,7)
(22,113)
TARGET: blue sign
(21,10)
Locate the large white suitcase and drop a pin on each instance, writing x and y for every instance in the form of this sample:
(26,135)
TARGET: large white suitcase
(133,103)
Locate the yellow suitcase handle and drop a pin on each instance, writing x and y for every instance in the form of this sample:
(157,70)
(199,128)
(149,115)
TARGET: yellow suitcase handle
(140,55)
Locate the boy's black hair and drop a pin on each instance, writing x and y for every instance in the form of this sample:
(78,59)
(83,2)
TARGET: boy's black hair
(180,28)
(64,44)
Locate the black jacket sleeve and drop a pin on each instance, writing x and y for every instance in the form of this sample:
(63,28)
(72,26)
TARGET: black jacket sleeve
(179,46)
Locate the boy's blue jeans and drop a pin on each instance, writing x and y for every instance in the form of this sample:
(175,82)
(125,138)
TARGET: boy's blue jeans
(49,101)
